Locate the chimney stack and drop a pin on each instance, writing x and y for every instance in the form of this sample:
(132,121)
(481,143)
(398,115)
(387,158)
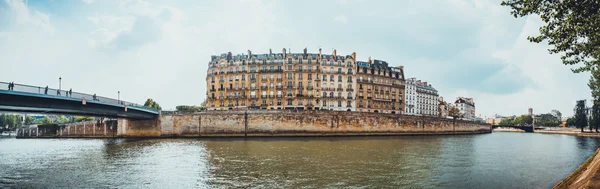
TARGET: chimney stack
(354,56)
(283,52)
(249,53)
(334,54)
(270,52)
(305,53)
(320,50)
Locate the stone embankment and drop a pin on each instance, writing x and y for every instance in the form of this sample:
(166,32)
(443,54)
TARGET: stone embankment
(277,123)
(586,176)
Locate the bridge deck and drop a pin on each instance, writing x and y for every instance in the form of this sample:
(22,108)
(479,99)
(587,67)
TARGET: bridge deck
(23,98)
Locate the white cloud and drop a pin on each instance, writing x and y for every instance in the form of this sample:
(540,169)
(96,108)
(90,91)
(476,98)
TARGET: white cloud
(341,19)
(160,50)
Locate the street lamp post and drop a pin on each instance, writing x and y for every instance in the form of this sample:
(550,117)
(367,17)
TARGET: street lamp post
(119,97)
(59,85)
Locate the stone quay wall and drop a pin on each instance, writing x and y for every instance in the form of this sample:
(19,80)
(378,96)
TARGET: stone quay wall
(271,123)
(304,123)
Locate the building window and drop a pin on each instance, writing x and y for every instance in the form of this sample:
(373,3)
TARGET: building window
(289,102)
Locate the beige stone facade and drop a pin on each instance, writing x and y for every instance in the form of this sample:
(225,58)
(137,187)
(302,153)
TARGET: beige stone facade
(380,87)
(303,81)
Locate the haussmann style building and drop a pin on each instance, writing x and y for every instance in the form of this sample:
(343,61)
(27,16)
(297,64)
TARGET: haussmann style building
(421,98)
(303,81)
(466,106)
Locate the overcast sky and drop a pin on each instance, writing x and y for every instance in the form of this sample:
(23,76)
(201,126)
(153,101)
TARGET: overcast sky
(161,49)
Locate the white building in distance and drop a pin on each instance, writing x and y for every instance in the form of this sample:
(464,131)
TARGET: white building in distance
(466,106)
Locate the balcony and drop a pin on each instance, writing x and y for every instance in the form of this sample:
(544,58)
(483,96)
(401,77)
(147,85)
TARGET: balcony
(279,87)
(349,98)
(279,96)
(263,96)
(221,89)
(271,96)
(360,106)
(340,89)
(253,79)
(339,80)
(279,79)
(350,90)
(300,87)
(264,87)
(213,90)
(309,88)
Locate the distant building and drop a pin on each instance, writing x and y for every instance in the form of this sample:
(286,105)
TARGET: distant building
(466,106)
(494,120)
(530,111)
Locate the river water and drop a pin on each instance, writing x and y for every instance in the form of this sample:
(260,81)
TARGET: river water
(497,160)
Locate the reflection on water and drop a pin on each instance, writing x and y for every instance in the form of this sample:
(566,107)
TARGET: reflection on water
(501,160)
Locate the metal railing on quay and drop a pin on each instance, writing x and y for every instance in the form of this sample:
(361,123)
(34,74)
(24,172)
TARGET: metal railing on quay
(65,93)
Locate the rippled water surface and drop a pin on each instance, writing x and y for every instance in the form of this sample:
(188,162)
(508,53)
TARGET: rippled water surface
(498,160)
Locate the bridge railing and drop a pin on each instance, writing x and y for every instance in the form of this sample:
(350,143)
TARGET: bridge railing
(65,93)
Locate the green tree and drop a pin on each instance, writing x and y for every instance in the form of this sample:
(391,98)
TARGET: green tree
(507,121)
(45,120)
(152,104)
(83,118)
(61,119)
(184,108)
(580,115)
(595,118)
(572,29)
(29,120)
(570,122)
(454,112)
(547,120)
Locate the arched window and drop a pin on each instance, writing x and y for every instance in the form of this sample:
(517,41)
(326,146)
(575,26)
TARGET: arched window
(339,70)
(324,94)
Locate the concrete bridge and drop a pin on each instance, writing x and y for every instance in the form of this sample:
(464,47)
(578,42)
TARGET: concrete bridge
(36,99)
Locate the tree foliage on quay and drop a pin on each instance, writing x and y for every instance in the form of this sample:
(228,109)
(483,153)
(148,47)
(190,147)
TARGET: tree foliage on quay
(572,29)
(185,108)
(152,104)
(454,112)
(595,117)
(580,115)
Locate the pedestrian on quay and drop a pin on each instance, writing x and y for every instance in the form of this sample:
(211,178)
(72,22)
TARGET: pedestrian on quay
(46,90)
(71,92)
